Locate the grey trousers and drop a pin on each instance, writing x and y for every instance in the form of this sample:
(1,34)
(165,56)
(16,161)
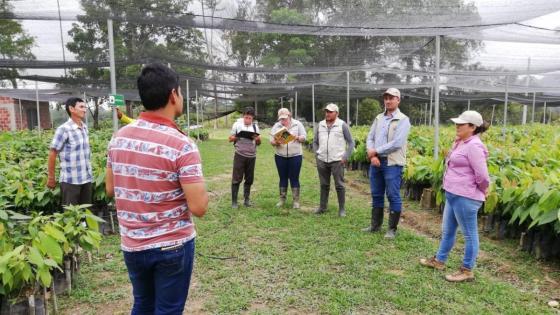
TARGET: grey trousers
(325,170)
(76,194)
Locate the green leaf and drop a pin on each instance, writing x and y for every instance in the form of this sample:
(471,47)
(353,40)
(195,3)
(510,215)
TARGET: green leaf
(549,216)
(45,276)
(54,232)
(35,257)
(52,247)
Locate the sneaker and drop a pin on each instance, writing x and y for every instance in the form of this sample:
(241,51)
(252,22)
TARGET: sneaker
(463,274)
(432,262)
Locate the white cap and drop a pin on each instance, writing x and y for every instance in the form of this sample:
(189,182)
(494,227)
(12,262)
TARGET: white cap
(394,92)
(331,107)
(469,117)
(283,113)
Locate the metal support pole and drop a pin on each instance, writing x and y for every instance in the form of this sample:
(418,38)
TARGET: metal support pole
(492,118)
(533,113)
(436,100)
(506,104)
(282,102)
(425,113)
(112,70)
(469,104)
(357,109)
(313,106)
(87,108)
(544,114)
(431,105)
(524,118)
(348,97)
(295,107)
(188,108)
(20,115)
(38,111)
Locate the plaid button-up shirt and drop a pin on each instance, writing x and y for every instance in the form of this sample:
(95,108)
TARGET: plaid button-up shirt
(72,144)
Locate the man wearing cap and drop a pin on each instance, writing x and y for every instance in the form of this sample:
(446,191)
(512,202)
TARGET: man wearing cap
(333,145)
(386,150)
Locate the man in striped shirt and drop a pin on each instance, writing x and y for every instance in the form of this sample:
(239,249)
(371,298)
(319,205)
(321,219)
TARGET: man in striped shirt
(154,172)
(71,144)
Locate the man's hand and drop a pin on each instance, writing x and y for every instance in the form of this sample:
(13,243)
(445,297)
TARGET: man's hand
(371,153)
(51,183)
(232,138)
(344,161)
(375,161)
(257,139)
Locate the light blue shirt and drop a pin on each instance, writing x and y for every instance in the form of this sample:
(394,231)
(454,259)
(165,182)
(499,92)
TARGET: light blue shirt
(380,141)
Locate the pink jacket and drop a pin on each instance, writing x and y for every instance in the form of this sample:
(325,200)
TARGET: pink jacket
(467,173)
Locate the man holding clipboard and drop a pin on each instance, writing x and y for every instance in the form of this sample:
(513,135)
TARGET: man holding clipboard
(245,137)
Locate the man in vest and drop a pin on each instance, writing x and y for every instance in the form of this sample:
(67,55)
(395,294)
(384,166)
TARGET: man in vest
(333,145)
(386,150)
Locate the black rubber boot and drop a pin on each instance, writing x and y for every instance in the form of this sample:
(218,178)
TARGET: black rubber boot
(394,218)
(341,195)
(324,200)
(376,220)
(247,196)
(234,193)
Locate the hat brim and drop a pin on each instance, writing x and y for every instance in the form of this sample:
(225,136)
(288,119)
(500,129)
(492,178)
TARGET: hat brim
(387,93)
(459,121)
(283,117)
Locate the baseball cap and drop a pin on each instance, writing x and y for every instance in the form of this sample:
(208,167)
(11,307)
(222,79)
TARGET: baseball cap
(393,91)
(469,117)
(331,107)
(283,113)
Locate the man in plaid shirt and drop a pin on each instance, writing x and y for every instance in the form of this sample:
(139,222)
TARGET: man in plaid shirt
(71,144)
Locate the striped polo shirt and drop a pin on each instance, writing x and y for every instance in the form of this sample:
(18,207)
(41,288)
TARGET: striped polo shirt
(150,159)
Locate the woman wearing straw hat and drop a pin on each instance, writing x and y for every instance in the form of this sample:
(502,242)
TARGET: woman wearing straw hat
(465,182)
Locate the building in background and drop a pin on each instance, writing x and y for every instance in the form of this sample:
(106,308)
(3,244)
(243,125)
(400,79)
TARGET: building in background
(20,114)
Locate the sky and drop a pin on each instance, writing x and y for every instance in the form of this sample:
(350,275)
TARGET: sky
(510,54)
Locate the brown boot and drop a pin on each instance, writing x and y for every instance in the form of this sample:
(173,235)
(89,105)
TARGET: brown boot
(463,274)
(432,262)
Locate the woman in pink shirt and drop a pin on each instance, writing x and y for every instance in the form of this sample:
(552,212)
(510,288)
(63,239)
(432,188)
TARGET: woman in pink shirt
(465,183)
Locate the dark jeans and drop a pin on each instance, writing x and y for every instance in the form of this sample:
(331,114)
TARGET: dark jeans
(243,167)
(288,169)
(326,169)
(76,194)
(386,180)
(160,278)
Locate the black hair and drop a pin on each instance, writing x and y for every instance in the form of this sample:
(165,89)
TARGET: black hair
(482,128)
(249,111)
(71,102)
(155,83)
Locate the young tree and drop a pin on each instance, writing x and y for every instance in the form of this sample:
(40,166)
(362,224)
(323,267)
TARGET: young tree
(14,44)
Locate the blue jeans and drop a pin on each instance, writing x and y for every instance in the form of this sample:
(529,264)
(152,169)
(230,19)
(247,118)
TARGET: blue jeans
(160,278)
(288,169)
(459,211)
(386,180)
